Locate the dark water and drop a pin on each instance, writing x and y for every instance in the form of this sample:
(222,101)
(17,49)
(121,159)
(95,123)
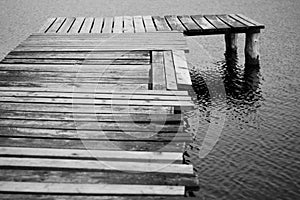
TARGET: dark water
(249,115)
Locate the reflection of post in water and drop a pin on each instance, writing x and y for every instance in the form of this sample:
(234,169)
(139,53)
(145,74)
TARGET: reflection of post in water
(240,84)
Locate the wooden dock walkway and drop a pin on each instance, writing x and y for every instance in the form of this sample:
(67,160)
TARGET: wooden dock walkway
(86,115)
(229,25)
(94,115)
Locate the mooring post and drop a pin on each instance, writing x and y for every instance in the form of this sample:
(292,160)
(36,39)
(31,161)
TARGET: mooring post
(252,48)
(231,42)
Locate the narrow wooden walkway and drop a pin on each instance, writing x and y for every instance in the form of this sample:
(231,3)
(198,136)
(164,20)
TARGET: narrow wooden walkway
(189,25)
(93,117)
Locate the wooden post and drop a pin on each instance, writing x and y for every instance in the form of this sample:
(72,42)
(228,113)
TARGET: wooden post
(231,42)
(251,48)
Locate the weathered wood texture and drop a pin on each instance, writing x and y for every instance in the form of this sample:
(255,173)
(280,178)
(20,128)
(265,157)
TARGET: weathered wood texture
(77,118)
(189,25)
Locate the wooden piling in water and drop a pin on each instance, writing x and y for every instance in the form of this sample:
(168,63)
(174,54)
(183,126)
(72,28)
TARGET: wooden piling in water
(231,42)
(252,48)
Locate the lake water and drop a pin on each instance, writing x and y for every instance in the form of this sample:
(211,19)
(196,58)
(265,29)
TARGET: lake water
(255,125)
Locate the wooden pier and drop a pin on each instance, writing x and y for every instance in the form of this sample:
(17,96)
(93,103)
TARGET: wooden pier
(86,115)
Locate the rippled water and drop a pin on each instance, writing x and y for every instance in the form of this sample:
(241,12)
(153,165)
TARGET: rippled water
(257,154)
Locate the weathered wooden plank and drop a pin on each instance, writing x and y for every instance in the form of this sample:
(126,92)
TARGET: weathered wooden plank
(47,25)
(161,118)
(14,196)
(163,35)
(133,47)
(66,25)
(80,55)
(44,80)
(76,61)
(137,156)
(259,25)
(138,24)
(75,95)
(113,41)
(73,74)
(158,71)
(81,70)
(97,26)
(80,86)
(241,20)
(130,102)
(107,26)
(82,177)
(76,26)
(56,25)
(162,146)
(174,23)
(96,91)
(130,136)
(118,24)
(104,189)
(105,109)
(95,165)
(171,82)
(128,24)
(189,23)
(181,68)
(161,24)
(216,22)
(203,23)
(149,25)
(87,25)
(231,22)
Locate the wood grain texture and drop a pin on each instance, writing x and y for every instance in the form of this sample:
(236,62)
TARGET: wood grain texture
(66,25)
(87,25)
(149,24)
(174,23)
(171,82)
(97,26)
(158,71)
(76,26)
(61,188)
(181,68)
(160,23)
(56,25)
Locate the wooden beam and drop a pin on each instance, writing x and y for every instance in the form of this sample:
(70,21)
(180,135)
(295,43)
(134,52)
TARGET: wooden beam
(89,189)
(93,165)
